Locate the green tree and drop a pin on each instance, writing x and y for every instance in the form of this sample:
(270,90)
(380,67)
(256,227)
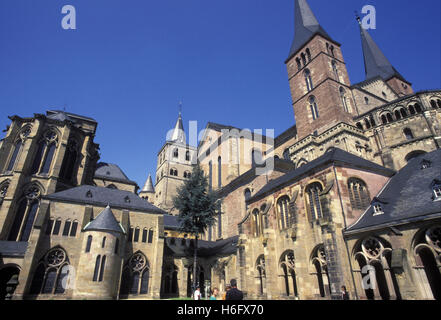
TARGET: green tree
(197,206)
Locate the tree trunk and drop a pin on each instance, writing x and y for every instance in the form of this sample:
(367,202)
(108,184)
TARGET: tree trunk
(195,262)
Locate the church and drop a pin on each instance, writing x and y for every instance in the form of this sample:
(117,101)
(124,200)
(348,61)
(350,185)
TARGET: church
(348,196)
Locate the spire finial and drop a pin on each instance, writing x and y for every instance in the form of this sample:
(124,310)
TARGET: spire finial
(180,107)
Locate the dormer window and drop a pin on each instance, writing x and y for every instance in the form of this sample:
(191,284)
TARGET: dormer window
(437,192)
(378,209)
(127,199)
(425,164)
(89,194)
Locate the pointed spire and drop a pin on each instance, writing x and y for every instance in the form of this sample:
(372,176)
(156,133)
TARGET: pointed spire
(105,221)
(148,186)
(306,26)
(375,62)
(178,133)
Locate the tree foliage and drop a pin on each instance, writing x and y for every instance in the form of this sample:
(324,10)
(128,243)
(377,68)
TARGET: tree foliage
(197,205)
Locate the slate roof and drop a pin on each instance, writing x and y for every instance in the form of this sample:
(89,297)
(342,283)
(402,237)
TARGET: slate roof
(305,27)
(407,197)
(105,221)
(110,171)
(60,115)
(178,133)
(220,248)
(375,62)
(148,186)
(13,248)
(338,156)
(104,196)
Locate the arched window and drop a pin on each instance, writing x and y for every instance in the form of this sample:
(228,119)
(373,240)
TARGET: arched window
(103,243)
(150,237)
(283,210)
(136,266)
(313,107)
(286,155)
(175,153)
(68,167)
(308,54)
(320,265)
(89,243)
(335,70)
(358,194)
(313,197)
(14,156)
(366,100)
(136,235)
(433,104)
(397,114)
(343,99)
(3,191)
(261,273)
(66,228)
(371,119)
(303,59)
(403,112)
(408,134)
(219,172)
(97,268)
(116,246)
(299,64)
(187,156)
(418,108)
(332,50)
(308,80)
(359,125)
(411,109)
(247,195)
(287,265)
(25,215)
(414,154)
(256,157)
(256,222)
(45,153)
(51,272)
(367,123)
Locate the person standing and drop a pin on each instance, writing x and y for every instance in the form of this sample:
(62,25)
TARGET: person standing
(344,293)
(197,294)
(234,293)
(214,294)
(227,287)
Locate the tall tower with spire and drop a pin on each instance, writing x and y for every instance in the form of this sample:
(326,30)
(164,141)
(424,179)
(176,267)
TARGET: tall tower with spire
(319,82)
(174,165)
(377,66)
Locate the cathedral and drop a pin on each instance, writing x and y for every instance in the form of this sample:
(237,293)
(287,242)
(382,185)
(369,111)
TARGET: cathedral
(348,196)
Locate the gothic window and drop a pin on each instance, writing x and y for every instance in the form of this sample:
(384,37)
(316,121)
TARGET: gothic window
(408,134)
(344,99)
(45,153)
(66,228)
(299,64)
(313,199)
(187,156)
(303,59)
(97,268)
(50,274)
(308,54)
(68,167)
(335,70)
(256,222)
(308,80)
(89,243)
(358,194)
(287,266)
(14,156)
(3,191)
(283,209)
(313,107)
(102,268)
(136,266)
(144,235)
(261,273)
(175,153)
(25,215)
(256,157)
(219,172)
(321,270)
(150,236)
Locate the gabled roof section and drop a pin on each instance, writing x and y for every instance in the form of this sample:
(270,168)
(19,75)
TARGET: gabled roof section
(335,155)
(375,62)
(63,115)
(306,26)
(105,221)
(104,196)
(110,171)
(407,197)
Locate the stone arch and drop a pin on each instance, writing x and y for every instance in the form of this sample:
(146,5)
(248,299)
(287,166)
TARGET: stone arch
(135,275)
(319,268)
(413,154)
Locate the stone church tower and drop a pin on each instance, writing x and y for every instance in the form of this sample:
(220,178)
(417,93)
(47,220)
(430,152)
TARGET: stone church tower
(174,165)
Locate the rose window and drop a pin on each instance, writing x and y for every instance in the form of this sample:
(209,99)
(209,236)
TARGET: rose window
(32,192)
(55,257)
(372,247)
(137,262)
(25,132)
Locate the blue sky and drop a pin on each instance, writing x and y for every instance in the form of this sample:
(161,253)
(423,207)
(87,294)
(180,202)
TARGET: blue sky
(129,63)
